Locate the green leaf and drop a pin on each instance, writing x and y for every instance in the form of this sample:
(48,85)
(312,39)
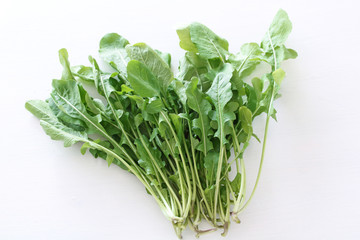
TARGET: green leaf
(258,87)
(278,76)
(274,39)
(185,39)
(282,54)
(211,74)
(180,89)
(112,50)
(75,123)
(211,165)
(286,53)
(102,84)
(154,106)
(154,133)
(126,89)
(209,194)
(164,128)
(94,106)
(63,56)
(232,106)
(138,119)
(175,179)
(142,80)
(85,147)
(43,111)
(146,162)
(236,183)
(66,96)
(139,100)
(58,131)
(109,159)
(245,62)
(278,32)
(192,65)
(39,109)
(175,135)
(252,99)
(245,117)
(220,94)
(197,102)
(84,74)
(209,44)
(165,56)
(229,114)
(146,55)
(176,121)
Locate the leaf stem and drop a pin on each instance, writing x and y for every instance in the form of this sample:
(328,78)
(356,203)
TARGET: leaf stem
(183,161)
(158,169)
(266,128)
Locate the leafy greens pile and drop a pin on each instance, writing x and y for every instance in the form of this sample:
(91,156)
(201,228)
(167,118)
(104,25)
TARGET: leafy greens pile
(179,135)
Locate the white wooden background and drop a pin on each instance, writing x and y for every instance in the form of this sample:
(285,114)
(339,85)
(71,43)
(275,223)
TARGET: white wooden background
(310,187)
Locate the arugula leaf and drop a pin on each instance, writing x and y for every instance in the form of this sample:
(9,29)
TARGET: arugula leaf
(278,76)
(274,39)
(59,131)
(211,165)
(192,65)
(197,102)
(112,50)
(63,56)
(155,106)
(84,74)
(146,55)
(278,32)
(165,56)
(185,39)
(220,94)
(145,161)
(102,84)
(236,183)
(142,80)
(182,137)
(208,44)
(52,126)
(258,87)
(180,89)
(245,117)
(66,96)
(245,62)
(39,109)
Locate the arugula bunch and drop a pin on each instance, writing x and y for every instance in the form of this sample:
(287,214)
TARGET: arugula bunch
(180,136)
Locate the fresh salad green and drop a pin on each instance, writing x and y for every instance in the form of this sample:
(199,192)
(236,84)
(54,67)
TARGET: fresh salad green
(183,136)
